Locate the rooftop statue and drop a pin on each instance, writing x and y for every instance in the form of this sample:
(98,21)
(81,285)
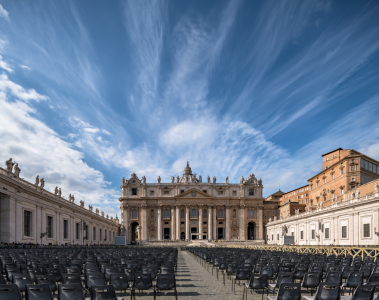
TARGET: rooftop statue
(227,179)
(200,179)
(209,179)
(17,170)
(143,179)
(9,163)
(56,191)
(177,179)
(60,192)
(172,179)
(159,179)
(242,180)
(42,181)
(37,181)
(214,179)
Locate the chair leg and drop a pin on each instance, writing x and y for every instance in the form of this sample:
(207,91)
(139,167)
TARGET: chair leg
(155,294)
(176,294)
(224,278)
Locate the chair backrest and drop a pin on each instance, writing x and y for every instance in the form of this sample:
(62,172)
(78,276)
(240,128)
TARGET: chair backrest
(71,278)
(2,280)
(142,281)
(103,292)
(70,292)
(267,270)
(73,269)
(354,279)
(167,270)
(120,281)
(364,292)
(284,277)
(311,279)
(166,281)
(258,281)
(328,291)
(289,291)
(33,272)
(94,279)
(38,292)
(374,278)
(21,280)
(334,277)
(9,292)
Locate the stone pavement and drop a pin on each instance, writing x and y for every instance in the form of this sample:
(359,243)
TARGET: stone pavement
(194,281)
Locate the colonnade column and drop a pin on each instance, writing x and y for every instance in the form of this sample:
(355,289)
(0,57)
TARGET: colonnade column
(187,222)
(172,223)
(260,222)
(214,223)
(227,225)
(210,222)
(159,222)
(126,222)
(144,224)
(200,222)
(177,222)
(242,222)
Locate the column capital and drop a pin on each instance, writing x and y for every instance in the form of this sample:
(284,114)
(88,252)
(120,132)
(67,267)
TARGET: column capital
(144,206)
(187,206)
(201,205)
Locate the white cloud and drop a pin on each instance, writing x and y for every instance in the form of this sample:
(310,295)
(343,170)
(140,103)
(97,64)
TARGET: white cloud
(41,151)
(4,14)
(5,66)
(18,91)
(25,67)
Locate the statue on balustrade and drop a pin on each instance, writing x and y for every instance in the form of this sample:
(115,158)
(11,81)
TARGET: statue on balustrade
(42,181)
(56,191)
(17,170)
(37,181)
(9,163)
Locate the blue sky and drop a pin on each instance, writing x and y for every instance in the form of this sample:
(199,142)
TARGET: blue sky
(91,91)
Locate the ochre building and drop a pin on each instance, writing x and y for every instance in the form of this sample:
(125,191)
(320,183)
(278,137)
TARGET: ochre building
(188,208)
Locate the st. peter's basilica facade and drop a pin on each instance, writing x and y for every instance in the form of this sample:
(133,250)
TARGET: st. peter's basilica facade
(188,208)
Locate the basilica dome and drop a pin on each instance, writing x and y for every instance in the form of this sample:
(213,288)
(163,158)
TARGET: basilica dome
(188,177)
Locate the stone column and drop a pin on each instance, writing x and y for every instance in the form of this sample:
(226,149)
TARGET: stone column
(227,222)
(200,222)
(187,222)
(260,222)
(242,222)
(215,222)
(144,225)
(210,222)
(125,222)
(159,222)
(177,222)
(172,223)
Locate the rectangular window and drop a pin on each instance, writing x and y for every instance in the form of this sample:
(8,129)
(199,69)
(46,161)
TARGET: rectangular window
(105,235)
(220,193)
(342,191)
(326,233)
(166,192)
(317,184)
(278,236)
(272,237)
(353,168)
(366,230)
(205,191)
(181,191)
(50,227)
(151,193)
(94,233)
(65,229)
(302,235)
(77,231)
(333,176)
(100,235)
(342,171)
(234,193)
(27,223)
(251,192)
(324,180)
(344,232)
(313,234)
(134,192)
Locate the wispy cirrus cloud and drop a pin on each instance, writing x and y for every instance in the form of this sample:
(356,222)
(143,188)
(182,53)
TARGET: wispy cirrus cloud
(5,66)
(4,14)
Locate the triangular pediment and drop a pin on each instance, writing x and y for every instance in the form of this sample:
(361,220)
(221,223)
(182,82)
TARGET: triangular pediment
(194,193)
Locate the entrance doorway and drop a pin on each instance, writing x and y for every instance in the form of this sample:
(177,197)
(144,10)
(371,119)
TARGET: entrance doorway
(166,233)
(194,236)
(220,233)
(182,236)
(134,228)
(251,231)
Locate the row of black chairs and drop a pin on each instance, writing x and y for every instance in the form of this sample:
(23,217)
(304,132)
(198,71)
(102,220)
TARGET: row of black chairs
(108,270)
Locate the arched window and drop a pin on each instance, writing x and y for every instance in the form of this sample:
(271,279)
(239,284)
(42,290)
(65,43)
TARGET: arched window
(152,213)
(166,213)
(234,213)
(220,212)
(134,214)
(204,214)
(251,213)
(182,214)
(193,212)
